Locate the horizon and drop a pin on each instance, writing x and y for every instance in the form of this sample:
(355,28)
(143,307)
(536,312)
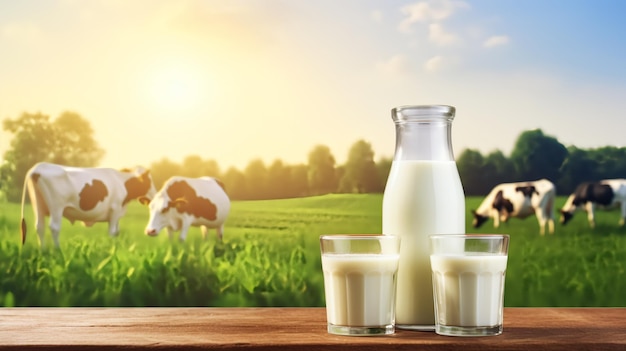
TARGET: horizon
(377,158)
(242,81)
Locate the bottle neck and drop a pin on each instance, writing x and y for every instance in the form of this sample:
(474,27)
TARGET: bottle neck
(427,141)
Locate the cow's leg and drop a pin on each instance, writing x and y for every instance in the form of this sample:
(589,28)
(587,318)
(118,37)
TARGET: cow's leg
(590,207)
(551,225)
(114,227)
(183,231)
(542,225)
(220,232)
(114,221)
(542,221)
(204,230)
(40,224)
(548,214)
(496,218)
(623,219)
(55,226)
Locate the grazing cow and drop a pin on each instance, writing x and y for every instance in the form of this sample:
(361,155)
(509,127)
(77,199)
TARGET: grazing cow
(89,195)
(519,200)
(184,202)
(604,194)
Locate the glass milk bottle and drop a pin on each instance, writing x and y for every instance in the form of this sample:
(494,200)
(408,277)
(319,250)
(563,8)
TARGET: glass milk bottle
(423,196)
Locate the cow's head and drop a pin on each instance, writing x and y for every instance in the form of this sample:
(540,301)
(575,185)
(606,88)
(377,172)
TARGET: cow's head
(574,202)
(478,219)
(163,213)
(566,216)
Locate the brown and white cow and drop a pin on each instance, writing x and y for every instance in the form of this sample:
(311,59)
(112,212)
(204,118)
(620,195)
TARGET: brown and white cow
(519,200)
(184,202)
(89,195)
(604,194)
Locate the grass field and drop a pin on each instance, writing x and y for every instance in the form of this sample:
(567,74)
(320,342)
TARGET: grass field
(270,257)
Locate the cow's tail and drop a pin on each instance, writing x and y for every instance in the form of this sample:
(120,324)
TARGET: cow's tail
(23,221)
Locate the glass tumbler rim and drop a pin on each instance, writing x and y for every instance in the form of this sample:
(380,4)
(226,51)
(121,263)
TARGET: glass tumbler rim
(491,244)
(356,236)
(359,244)
(470,235)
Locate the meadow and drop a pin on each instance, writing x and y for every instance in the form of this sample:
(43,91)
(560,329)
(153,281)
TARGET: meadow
(270,257)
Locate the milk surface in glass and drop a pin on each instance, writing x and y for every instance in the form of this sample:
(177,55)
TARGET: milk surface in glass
(421,198)
(360,289)
(473,286)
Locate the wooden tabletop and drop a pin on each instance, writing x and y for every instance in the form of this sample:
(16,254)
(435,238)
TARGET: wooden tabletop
(290,329)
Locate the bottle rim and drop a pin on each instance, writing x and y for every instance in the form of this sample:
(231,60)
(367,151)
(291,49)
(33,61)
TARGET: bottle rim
(409,113)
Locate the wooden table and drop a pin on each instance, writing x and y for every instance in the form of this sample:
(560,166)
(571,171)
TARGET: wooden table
(290,329)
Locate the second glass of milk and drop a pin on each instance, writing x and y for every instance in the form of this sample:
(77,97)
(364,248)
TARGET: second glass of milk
(468,283)
(360,283)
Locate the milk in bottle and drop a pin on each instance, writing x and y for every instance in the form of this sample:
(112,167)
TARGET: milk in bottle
(423,196)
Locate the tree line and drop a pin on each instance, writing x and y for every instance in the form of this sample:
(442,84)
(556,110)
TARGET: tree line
(536,155)
(69,140)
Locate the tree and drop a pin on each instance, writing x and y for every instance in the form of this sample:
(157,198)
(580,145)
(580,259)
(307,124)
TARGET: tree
(257,180)
(68,140)
(610,161)
(162,170)
(537,156)
(279,180)
(470,165)
(194,166)
(235,184)
(384,167)
(497,169)
(299,185)
(211,168)
(322,177)
(74,144)
(3,195)
(361,174)
(577,168)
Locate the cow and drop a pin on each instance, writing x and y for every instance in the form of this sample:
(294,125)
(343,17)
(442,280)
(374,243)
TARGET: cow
(519,200)
(183,202)
(604,194)
(89,195)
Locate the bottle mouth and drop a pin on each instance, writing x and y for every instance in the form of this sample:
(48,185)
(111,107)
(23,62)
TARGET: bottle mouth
(423,113)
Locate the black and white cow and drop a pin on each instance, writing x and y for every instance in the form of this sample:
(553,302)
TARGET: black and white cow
(604,194)
(519,200)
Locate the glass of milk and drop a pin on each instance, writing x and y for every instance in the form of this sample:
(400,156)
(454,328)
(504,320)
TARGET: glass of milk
(360,273)
(468,283)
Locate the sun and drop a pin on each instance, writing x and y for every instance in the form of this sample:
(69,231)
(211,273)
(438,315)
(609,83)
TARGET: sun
(176,89)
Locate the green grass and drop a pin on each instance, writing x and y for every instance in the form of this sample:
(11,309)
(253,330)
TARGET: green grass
(270,257)
(577,266)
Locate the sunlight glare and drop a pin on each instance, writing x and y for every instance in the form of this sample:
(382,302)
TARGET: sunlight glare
(176,89)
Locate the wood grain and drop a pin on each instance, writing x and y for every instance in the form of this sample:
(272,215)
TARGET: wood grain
(289,329)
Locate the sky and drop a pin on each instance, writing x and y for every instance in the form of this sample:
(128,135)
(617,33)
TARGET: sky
(236,80)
